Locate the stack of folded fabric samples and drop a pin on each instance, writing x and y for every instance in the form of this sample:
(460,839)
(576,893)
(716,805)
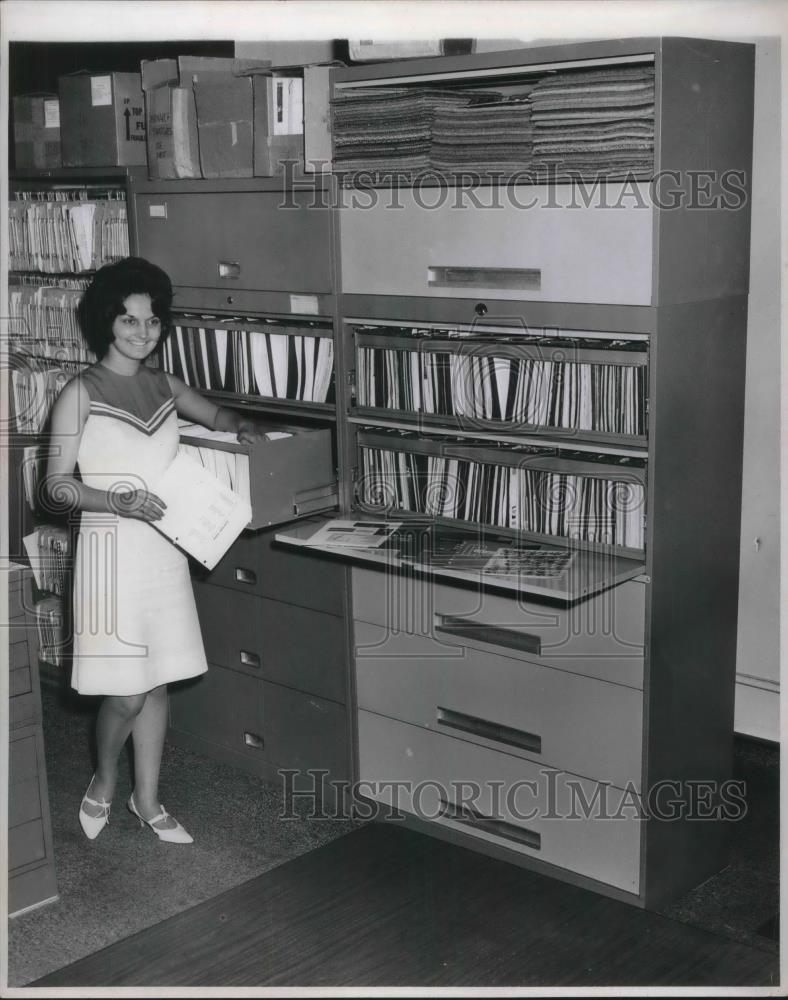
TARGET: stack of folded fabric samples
(566,125)
(482,132)
(414,130)
(382,129)
(595,123)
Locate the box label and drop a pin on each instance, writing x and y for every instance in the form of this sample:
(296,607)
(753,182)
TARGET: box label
(52,113)
(100,91)
(288,106)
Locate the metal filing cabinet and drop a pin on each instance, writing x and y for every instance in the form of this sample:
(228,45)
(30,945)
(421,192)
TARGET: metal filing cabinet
(618,681)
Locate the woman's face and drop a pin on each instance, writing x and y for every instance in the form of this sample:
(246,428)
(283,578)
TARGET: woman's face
(136,331)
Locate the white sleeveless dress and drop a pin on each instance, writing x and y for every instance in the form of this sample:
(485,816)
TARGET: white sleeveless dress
(134,617)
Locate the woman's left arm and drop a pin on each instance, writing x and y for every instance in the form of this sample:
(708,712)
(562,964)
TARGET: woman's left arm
(193,406)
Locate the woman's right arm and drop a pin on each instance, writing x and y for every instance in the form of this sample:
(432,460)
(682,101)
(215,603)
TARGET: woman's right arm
(63,491)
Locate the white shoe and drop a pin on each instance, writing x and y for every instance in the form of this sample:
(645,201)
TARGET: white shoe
(93,825)
(172,834)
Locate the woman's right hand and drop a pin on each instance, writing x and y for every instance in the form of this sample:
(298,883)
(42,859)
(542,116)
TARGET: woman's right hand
(139,504)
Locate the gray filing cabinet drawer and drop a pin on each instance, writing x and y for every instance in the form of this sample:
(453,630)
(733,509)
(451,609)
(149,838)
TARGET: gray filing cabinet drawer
(24,802)
(560,719)
(253,565)
(199,237)
(284,643)
(288,478)
(507,800)
(596,253)
(601,636)
(266,724)
(26,843)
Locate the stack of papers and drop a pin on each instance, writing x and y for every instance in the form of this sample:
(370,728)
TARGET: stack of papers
(354,534)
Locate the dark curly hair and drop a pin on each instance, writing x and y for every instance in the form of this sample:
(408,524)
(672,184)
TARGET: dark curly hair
(112,284)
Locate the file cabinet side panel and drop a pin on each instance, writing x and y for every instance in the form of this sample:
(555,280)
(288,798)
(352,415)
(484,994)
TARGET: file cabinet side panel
(704,165)
(695,457)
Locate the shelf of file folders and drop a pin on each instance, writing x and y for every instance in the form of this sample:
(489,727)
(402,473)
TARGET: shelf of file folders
(66,230)
(284,364)
(45,344)
(583,388)
(43,317)
(536,438)
(35,384)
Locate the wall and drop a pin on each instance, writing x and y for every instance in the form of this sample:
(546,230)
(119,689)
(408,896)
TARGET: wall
(757,701)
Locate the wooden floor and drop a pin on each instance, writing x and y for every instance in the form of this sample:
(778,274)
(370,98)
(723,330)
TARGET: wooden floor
(387,907)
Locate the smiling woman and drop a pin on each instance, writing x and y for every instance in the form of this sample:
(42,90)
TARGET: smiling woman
(135,624)
(136,333)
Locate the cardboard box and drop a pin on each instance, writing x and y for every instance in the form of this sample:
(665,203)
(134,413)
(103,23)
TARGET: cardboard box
(170,121)
(278,124)
(224,123)
(225,108)
(171,112)
(37,132)
(102,120)
(191,68)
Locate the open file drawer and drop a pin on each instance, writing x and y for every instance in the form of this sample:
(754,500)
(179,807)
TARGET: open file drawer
(288,477)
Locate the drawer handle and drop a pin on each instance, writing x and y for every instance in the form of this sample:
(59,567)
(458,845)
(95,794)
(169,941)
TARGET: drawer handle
(499,827)
(525,642)
(229,269)
(245,575)
(519,278)
(254,741)
(249,659)
(489,730)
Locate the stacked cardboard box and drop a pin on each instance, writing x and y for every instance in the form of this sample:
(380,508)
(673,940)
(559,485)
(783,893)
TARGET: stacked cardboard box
(199,115)
(102,119)
(170,121)
(225,119)
(234,117)
(37,132)
(317,120)
(278,123)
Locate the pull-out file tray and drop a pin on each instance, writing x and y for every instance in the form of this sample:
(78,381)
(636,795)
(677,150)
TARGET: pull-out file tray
(588,572)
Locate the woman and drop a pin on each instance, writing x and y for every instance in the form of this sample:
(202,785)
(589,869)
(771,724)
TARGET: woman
(135,622)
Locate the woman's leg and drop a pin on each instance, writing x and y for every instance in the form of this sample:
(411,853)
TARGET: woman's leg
(148,732)
(116,717)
